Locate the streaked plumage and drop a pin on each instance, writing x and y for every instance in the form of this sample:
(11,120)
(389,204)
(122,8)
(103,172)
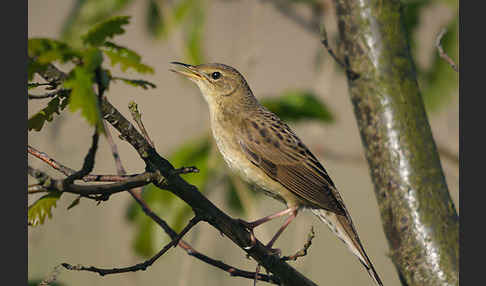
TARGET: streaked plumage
(265,152)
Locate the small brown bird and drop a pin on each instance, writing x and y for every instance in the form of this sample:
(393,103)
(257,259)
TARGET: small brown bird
(266,153)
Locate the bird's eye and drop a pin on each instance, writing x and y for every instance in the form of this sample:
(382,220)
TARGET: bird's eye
(216,75)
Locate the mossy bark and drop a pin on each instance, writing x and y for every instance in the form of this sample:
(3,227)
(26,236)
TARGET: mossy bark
(419,218)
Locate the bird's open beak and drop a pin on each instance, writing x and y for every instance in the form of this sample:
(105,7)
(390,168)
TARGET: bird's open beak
(188,71)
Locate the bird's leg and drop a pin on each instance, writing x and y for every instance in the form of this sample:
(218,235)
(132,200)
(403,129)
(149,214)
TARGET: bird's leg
(291,217)
(251,225)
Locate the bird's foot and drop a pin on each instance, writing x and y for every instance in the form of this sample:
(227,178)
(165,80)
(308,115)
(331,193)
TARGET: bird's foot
(249,226)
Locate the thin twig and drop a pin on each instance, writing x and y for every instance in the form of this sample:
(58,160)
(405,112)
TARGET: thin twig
(137,116)
(114,151)
(185,170)
(46,95)
(88,161)
(140,266)
(324,40)
(303,251)
(233,271)
(92,191)
(36,188)
(442,53)
(68,171)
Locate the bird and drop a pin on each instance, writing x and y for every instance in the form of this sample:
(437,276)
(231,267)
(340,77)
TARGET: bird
(266,153)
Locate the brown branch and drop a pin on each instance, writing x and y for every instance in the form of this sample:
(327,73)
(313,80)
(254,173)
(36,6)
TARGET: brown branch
(68,171)
(88,161)
(90,190)
(303,251)
(345,65)
(441,51)
(140,266)
(233,271)
(137,116)
(47,95)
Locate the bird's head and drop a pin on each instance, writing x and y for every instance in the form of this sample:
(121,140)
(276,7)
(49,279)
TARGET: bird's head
(221,86)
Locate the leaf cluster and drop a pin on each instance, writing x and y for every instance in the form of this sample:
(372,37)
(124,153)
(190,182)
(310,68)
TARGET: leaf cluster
(87,72)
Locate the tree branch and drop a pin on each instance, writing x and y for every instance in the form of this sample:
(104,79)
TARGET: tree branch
(418,215)
(136,267)
(443,54)
(89,190)
(68,171)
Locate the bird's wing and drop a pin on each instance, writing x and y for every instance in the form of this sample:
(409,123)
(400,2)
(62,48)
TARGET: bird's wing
(273,147)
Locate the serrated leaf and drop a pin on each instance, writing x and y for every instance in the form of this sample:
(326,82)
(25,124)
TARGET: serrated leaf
(126,58)
(83,97)
(137,82)
(45,50)
(105,30)
(296,105)
(36,121)
(42,208)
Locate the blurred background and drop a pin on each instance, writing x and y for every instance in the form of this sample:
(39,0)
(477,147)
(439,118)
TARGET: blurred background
(276,46)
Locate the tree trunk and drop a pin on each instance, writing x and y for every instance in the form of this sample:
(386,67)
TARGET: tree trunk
(419,218)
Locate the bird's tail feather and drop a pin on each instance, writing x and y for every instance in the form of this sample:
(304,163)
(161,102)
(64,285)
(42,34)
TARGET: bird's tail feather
(343,228)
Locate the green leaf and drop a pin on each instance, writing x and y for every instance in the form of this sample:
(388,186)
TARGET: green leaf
(45,51)
(97,35)
(42,208)
(86,13)
(83,97)
(36,121)
(136,82)
(126,58)
(298,105)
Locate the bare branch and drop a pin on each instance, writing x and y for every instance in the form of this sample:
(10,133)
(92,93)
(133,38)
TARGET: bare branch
(441,51)
(88,161)
(140,266)
(137,116)
(233,271)
(303,251)
(89,190)
(351,74)
(185,170)
(68,171)
(47,95)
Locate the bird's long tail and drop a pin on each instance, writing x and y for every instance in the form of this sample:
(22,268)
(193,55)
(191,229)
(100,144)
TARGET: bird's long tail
(344,229)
